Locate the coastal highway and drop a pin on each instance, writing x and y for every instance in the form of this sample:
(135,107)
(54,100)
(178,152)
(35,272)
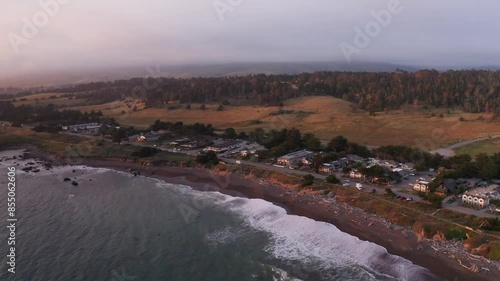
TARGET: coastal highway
(366,187)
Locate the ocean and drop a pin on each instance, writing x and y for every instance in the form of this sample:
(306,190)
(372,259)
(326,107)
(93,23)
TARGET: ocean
(114,226)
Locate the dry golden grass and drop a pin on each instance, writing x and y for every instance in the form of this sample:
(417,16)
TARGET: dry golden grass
(326,118)
(44,100)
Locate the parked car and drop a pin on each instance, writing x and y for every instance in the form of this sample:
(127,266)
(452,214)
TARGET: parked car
(409,199)
(345,185)
(402,198)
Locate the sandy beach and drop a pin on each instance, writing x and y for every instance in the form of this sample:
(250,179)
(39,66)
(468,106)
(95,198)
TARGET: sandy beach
(397,240)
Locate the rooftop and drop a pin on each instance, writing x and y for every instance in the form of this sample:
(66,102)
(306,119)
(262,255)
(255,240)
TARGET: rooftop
(483,191)
(297,154)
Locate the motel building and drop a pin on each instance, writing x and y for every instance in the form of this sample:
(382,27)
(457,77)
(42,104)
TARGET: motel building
(480,197)
(476,201)
(421,186)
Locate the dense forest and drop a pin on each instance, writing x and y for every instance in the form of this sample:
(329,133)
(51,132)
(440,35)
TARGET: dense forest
(470,90)
(48,115)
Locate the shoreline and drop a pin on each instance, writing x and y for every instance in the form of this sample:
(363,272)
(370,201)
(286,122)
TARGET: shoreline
(396,240)
(439,258)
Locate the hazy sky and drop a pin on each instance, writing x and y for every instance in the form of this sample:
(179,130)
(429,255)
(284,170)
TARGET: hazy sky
(95,33)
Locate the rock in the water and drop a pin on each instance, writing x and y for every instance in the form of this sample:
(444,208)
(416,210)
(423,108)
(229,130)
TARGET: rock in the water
(67,179)
(74,183)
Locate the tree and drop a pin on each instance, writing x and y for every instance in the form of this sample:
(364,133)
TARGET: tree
(317,162)
(203,107)
(230,133)
(220,107)
(293,139)
(145,152)
(332,179)
(338,144)
(209,158)
(119,135)
(308,180)
(242,136)
(188,106)
(346,170)
(311,142)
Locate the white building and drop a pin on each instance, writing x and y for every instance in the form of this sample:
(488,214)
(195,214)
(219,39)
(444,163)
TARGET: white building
(355,174)
(82,127)
(223,146)
(327,168)
(480,197)
(421,186)
(291,158)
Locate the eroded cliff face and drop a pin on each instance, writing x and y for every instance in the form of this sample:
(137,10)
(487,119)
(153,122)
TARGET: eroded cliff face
(419,231)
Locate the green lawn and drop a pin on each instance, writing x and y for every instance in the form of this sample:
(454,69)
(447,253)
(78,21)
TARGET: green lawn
(490,146)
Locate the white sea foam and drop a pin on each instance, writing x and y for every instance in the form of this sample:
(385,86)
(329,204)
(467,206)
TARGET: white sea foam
(223,236)
(318,244)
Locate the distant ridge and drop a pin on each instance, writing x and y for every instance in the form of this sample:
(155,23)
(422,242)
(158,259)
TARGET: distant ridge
(57,78)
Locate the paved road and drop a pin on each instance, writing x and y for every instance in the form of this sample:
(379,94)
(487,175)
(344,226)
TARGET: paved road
(469,211)
(448,151)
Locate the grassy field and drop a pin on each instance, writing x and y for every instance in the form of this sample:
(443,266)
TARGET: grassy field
(490,147)
(325,117)
(46,99)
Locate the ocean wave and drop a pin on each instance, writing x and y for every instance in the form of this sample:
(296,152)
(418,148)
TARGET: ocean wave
(318,245)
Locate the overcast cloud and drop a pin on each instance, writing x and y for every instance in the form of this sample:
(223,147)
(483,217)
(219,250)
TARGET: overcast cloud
(96,33)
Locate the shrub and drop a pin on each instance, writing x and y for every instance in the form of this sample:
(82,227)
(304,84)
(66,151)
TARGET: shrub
(208,158)
(308,177)
(307,183)
(456,232)
(389,192)
(332,179)
(145,152)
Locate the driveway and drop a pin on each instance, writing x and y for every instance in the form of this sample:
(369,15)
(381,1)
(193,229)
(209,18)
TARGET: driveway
(448,151)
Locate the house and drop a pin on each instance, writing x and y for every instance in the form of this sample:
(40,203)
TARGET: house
(480,197)
(449,186)
(421,186)
(391,163)
(91,127)
(137,138)
(355,174)
(477,201)
(223,146)
(355,159)
(292,158)
(306,161)
(152,137)
(327,168)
